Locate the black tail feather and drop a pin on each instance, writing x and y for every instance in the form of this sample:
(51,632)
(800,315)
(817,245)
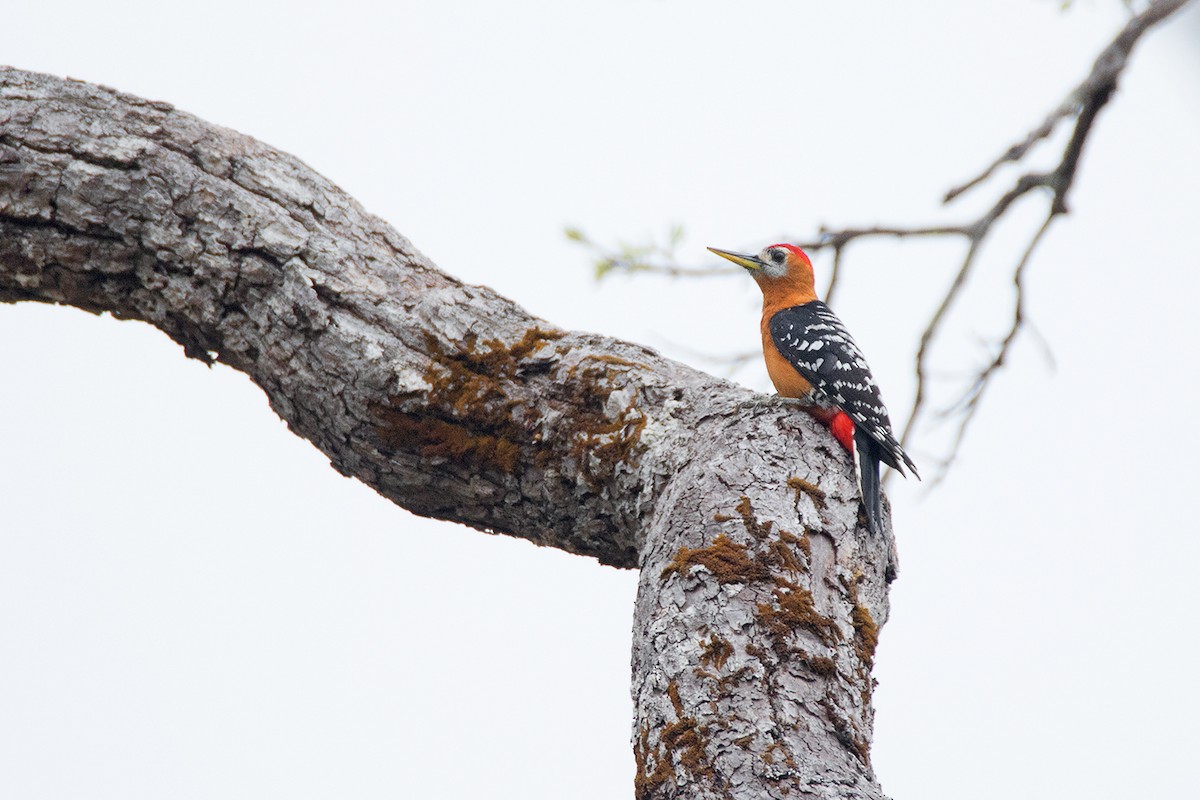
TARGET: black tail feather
(869,454)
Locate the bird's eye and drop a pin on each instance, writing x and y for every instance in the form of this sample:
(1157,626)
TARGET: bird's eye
(778,256)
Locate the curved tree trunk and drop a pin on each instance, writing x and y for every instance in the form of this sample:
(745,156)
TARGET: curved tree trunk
(761,592)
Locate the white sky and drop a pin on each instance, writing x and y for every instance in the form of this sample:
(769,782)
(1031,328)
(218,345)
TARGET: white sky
(193,605)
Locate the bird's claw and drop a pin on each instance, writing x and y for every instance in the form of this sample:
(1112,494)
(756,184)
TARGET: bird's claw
(767,401)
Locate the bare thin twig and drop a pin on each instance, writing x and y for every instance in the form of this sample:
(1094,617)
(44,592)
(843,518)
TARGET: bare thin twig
(1105,71)
(835,272)
(838,239)
(1083,104)
(968,404)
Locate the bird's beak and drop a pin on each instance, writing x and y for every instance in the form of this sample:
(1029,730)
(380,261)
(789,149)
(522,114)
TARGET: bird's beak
(749,262)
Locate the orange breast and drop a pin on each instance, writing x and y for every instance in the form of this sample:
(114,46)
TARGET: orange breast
(788,382)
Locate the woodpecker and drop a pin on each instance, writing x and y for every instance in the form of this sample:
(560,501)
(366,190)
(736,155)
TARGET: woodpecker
(811,356)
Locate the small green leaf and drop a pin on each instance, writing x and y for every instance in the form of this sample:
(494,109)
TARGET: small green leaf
(676,235)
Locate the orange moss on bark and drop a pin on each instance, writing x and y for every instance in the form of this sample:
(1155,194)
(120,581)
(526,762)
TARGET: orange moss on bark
(467,412)
(759,530)
(685,738)
(715,652)
(728,561)
(437,438)
(471,412)
(652,769)
(768,755)
(801,486)
(793,611)
(866,634)
(602,442)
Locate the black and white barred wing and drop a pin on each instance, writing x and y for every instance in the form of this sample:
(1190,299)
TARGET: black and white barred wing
(817,344)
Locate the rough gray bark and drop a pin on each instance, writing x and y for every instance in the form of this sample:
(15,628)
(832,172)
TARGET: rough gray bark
(761,593)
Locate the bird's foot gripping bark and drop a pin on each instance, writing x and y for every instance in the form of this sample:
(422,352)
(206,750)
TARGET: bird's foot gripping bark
(767,402)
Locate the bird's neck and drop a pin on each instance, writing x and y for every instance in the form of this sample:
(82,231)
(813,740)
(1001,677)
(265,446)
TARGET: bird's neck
(785,293)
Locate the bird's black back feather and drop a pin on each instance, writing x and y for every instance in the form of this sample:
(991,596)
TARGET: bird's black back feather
(817,344)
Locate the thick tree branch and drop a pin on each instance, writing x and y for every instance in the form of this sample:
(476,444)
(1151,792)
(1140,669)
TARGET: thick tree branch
(446,398)
(761,593)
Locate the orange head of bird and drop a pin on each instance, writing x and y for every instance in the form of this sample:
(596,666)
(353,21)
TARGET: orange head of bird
(782,270)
